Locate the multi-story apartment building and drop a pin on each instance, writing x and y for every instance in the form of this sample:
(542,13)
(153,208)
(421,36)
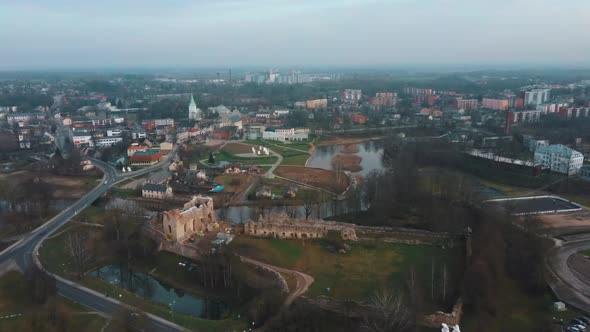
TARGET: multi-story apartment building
(559,158)
(574,112)
(525,116)
(351,95)
(467,104)
(536,96)
(316,103)
(495,104)
(551,108)
(419,91)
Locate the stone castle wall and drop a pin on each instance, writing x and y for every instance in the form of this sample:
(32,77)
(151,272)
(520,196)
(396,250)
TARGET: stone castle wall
(197,215)
(281,226)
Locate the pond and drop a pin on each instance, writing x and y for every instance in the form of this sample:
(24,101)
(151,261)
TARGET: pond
(156,291)
(371,153)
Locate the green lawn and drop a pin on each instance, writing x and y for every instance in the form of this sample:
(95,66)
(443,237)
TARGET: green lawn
(293,153)
(510,191)
(16,298)
(226,156)
(369,265)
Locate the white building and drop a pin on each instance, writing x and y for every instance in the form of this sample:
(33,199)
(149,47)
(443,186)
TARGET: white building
(559,158)
(283,135)
(82,138)
(193,112)
(536,96)
(108,141)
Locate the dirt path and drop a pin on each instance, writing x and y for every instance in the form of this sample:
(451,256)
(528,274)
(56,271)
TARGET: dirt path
(303,280)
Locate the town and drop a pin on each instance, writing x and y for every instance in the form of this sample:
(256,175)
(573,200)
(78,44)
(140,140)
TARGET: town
(233,166)
(258,202)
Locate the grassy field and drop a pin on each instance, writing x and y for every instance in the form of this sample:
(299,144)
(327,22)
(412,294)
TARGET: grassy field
(510,191)
(368,266)
(293,153)
(15,298)
(226,156)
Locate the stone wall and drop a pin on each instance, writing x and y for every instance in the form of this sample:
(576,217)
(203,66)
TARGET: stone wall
(197,215)
(281,226)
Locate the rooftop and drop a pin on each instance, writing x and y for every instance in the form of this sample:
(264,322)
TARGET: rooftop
(557,148)
(155,187)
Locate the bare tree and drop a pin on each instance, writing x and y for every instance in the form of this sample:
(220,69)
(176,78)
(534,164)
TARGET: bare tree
(76,245)
(390,313)
(291,211)
(309,201)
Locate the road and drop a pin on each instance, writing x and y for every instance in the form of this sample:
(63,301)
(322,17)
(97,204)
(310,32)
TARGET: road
(566,285)
(303,280)
(24,253)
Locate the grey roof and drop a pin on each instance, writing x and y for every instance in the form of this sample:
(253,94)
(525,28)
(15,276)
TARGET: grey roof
(155,187)
(159,177)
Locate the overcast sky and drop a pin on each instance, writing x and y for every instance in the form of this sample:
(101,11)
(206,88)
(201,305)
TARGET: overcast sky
(36,34)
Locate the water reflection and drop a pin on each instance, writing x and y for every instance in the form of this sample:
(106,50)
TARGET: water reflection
(370,151)
(155,291)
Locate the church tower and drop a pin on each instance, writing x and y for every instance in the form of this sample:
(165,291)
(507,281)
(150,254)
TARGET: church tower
(193,112)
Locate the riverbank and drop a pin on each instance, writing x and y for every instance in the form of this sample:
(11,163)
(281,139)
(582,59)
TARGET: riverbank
(338,140)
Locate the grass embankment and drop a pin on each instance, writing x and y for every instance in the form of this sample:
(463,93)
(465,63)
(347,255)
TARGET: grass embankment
(333,181)
(16,298)
(357,274)
(294,153)
(55,259)
(232,158)
(507,190)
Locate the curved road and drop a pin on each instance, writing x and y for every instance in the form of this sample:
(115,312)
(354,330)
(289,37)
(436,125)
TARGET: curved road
(22,254)
(565,284)
(303,280)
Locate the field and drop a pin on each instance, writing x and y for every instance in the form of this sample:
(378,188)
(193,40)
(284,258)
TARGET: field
(237,148)
(293,153)
(16,298)
(232,158)
(355,275)
(317,177)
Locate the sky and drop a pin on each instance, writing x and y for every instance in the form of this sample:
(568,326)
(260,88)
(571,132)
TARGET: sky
(43,34)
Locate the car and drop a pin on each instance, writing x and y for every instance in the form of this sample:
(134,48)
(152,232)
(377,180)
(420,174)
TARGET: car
(576,321)
(182,263)
(106,182)
(572,329)
(579,327)
(584,320)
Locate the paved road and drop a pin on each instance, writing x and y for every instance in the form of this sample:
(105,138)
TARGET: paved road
(566,285)
(24,253)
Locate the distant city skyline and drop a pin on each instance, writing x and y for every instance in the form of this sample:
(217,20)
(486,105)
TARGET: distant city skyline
(63,34)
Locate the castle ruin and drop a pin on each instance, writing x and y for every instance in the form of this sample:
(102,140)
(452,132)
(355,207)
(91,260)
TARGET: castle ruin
(197,215)
(281,226)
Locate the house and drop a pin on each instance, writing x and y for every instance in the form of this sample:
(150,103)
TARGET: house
(264,192)
(559,158)
(135,148)
(108,141)
(358,118)
(166,147)
(156,191)
(224,132)
(145,158)
(283,134)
